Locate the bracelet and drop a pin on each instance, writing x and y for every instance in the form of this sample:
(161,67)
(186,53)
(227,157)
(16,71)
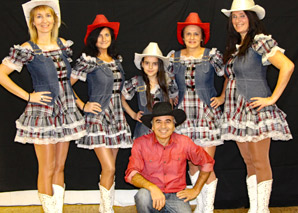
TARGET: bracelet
(84,106)
(28,97)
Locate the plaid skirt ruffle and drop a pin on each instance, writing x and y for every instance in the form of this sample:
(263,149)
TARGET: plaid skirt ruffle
(50,129)
(107,129)
(242,123)
(202,123)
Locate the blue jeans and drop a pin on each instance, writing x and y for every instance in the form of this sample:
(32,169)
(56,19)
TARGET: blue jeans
(173,203)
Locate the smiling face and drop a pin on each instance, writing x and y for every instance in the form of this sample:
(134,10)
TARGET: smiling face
(43,20)
(163,127)
(150,66)
(192,36)
(240,22)
(104,39)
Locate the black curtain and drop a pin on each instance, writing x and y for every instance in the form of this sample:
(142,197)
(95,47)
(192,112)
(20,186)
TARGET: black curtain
(143,21)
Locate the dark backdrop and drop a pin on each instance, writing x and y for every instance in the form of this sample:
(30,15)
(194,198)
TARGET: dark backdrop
(143,21)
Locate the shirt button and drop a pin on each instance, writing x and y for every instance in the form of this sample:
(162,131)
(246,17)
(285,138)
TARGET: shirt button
(164,162)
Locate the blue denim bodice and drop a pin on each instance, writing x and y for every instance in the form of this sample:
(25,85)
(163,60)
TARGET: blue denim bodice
(44,73)
(141,129)
(204,78)
(100,83)
(250,75)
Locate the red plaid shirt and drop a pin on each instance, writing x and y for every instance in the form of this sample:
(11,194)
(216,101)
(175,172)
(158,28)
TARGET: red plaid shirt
(165,166)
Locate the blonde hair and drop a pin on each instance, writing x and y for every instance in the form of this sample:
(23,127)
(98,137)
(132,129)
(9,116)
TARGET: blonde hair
(32,28)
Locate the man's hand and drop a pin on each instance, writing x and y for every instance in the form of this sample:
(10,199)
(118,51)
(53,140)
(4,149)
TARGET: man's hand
(187,194)
(158,198)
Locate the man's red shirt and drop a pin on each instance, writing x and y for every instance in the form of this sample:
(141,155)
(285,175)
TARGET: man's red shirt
(165,166)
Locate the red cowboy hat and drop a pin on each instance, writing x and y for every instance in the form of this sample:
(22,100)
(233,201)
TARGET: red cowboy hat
(101,21)
(193,19)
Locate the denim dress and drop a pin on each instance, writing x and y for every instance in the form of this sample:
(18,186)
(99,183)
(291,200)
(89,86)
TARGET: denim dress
(247,78)
(136,85)
(109,128)
(195,80)
(60,120)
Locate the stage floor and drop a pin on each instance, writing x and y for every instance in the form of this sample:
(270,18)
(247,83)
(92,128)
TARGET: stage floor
(127,209)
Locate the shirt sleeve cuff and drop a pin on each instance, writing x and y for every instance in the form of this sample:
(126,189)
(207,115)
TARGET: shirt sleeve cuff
(132,173)
(208,167)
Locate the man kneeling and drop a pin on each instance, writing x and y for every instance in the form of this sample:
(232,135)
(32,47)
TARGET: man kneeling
(157,163)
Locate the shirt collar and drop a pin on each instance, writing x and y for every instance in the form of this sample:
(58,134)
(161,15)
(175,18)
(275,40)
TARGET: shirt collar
(170,141)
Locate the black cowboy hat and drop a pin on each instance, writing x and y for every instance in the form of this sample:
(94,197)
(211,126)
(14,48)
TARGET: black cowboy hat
(161,109)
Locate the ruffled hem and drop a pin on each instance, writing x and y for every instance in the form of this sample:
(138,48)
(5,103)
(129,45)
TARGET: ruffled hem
(270,54)
(192,129)
(67,138)
(48,128)
(82,77)
(202,136)
(266,46)
(274,135)
(208,143)
(11,65)
(277,129)
(255,125)
(121,146)
(93,140)
(83,66)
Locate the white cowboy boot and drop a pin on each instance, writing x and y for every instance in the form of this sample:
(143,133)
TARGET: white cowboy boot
(107,199)
(264,192)
(48,203)
(193,179)
(252,190)
(208,195)
(59,197)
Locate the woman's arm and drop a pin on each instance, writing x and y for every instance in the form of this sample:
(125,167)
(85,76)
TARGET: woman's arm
(130,112)
(217,101)
(92,107)
(8,84)
(286,68)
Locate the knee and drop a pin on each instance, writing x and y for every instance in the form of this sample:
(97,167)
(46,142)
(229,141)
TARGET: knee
(46,169)
(261,164)
(59,167)
(109,170)
(143,199)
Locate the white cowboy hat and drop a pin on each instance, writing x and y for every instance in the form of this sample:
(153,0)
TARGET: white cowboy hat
(27,7)
(151,50)
(250,5)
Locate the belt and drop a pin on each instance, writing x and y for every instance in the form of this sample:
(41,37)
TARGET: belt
(116,91)
(63,79)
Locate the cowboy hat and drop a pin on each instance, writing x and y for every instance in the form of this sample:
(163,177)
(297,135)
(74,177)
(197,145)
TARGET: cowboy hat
(101,21)
(193,19)
(151,50)
(162,109)
(54,4)
(250,5)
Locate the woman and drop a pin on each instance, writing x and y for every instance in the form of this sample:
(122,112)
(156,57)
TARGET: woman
(250,116)
(194,68)
(152,87)
(106,126)
(51,118)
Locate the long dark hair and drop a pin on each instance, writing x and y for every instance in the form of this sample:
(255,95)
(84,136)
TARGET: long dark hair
(255,27)
(90,47)
(162,82)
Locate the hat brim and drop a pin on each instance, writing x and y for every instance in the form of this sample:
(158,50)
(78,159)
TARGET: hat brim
(113,25)
(260,11)
(204,26)
(138,59)
(178,114)
(28,6)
